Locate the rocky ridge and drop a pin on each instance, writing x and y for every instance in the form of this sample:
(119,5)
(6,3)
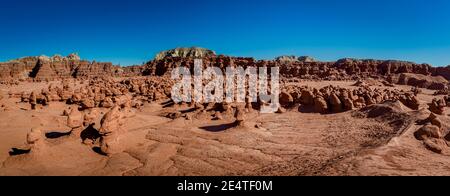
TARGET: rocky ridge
(397,72)
(43,68)
(195,52)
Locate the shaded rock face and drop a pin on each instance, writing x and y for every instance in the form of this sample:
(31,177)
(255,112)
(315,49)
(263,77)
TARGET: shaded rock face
(193,52)
(334,99)
(19,69)
(442,71)
(423,81)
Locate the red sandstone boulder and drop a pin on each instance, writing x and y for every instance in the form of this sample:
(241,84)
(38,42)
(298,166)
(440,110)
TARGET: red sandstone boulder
(428,131)
(320,105)
(437,106)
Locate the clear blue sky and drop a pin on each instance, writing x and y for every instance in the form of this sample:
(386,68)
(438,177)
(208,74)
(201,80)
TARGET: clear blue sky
(133,31)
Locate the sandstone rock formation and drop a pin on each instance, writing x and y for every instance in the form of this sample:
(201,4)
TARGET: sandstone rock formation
(320,105)
(194,52)
(75,122)
(432,134)
(240,117)
(286,99)
(437,106)
(401,72)
(423,81)
(307,68)
(104,92)
(428,131)
(33,100)
(333,99)
(45,68)
(36,141)
(111,129)
(291,59)
(435,145)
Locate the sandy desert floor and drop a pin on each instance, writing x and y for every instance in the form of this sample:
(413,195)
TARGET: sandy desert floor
(378,140)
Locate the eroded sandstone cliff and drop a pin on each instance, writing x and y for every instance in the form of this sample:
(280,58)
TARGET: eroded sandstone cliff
(44,68)
(58,67)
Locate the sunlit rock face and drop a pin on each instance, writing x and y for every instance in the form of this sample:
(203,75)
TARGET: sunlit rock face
(291,59)
(186,52)
(44,68)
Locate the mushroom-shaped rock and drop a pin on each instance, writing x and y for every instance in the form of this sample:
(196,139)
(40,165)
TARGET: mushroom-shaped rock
(111,127)
(33,100)
(75,118)
(112,121)
(75,121)
(34,136)
(35,140)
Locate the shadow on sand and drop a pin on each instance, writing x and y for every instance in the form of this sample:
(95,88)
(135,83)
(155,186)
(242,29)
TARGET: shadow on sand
(219,128)
(16,151)
(90,133)
(56,135)
(168,104)
(98,150)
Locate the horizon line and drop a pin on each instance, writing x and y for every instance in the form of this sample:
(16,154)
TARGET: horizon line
(130,62)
